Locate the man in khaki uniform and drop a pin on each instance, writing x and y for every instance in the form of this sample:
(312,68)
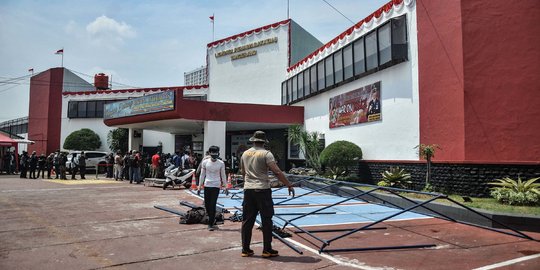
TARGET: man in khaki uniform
(254,165)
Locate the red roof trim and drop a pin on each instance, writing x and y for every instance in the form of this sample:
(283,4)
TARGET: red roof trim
(387,7)
(241,35)
(135,90)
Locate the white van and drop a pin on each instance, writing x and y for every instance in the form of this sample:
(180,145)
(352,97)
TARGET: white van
(93,159)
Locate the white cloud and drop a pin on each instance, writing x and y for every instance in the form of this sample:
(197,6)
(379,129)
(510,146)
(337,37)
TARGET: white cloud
(106,31)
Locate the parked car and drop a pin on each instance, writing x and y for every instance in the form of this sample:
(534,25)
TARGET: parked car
(93,159)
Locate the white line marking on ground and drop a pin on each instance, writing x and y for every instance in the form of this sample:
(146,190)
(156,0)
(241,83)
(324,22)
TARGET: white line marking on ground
(509,262)
(357,264)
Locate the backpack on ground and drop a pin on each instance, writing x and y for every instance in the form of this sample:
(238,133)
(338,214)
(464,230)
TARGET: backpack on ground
(198,215)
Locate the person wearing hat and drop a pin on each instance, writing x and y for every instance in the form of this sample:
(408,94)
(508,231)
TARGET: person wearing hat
(254,165)
(213,178)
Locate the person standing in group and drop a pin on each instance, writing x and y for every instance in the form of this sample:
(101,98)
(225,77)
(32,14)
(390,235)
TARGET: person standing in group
(23,163)
(74,165)
(213,178)
(184,161)
(13,168)
(127,166)
(50,165)
(56,162)
(155,164)
(254,165)
(33,165)
(135,168)
(42,163)
(118,166)
(62,167)
(109,162)
(82,164)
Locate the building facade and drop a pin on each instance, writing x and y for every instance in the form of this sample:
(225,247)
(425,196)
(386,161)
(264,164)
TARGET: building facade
(412,72)
(196,77)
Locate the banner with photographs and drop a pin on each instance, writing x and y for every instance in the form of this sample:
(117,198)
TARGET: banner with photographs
(358,106)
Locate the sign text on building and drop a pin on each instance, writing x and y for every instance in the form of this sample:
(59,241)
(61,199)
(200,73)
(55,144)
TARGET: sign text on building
(246,47)
(159,102)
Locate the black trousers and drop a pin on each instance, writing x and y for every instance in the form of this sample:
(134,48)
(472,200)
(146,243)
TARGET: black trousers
(32,172)
(82,170)
(257,201)
(210,200)
(74,171)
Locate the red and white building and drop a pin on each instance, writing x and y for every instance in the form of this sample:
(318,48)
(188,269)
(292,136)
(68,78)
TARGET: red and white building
(460,74)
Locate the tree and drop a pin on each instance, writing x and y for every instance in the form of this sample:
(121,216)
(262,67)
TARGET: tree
(83,139)
(339,156)
(118,139)
(309,145)
(427,151)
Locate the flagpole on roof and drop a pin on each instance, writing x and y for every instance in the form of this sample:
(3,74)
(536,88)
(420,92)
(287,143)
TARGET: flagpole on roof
(212,20)
(288,17)
(61,52)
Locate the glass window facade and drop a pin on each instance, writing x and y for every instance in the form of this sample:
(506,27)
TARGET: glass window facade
(295,87)
(348,71)
(338,67)
(359,57)
(87,109)
(313,79)
(307,82)
(372,60)
(381,48)
(385,44)
(301,85)
(320,76)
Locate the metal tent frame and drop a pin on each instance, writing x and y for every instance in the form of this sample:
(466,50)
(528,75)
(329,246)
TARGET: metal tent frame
(361,194)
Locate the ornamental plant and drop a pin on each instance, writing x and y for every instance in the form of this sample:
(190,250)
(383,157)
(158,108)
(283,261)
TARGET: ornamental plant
(83,139)
(309,145)
(395,177)
(339,156)
(427,151)
(516,192)
(118,139)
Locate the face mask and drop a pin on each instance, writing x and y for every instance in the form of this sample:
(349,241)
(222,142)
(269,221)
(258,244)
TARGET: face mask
(215,156)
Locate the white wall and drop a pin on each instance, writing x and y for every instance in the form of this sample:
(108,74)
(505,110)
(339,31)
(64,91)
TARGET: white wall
(393,138)
(254,79)
(152,138)
(214,134)
(96,124)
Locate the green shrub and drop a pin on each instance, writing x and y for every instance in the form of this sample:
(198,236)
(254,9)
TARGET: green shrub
(339,156)
(512,192)
(510,197)
(83,139)
(395,177)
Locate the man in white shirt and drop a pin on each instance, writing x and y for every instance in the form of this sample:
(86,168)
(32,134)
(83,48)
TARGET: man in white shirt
(213,178)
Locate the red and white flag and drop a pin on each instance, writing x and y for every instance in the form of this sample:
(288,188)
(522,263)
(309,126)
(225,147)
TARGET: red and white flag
(211,18)
(61,51)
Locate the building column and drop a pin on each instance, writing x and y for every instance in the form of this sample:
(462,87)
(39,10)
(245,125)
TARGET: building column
(135,141)
(214,134)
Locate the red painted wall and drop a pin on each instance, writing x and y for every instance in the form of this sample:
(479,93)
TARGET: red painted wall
(440,56)
(45,111)
(479,79)
(501,42)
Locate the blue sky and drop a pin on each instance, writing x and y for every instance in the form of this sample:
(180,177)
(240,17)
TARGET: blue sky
(140,43)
